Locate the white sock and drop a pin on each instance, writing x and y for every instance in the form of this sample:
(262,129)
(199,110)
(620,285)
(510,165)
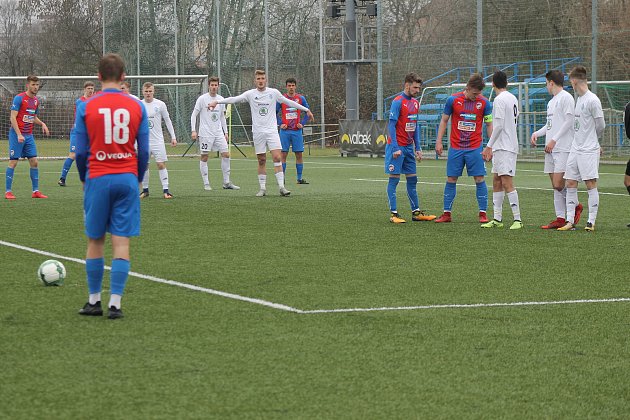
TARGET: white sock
(94,297)
(560,203)
(572,201)
(203,168)
(513,200)
(279,174)
(164,178)
(145,180)
(114,301)
(497,202)
(593,205)
(225,167)
(262,180)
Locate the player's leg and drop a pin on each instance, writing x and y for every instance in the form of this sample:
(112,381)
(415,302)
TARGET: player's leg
(15,153)
(275,148)
(560,162)
(393,168)
(297,145)
(221,145)
(67,164)
(626,180)
(475,166)
(589,171)
(285,143)
(498,194)
(204,148)
(30,152)
(160,160)
(454,168)
(512,195)
(559,190)
(572,177)
(262,173)
(145,177)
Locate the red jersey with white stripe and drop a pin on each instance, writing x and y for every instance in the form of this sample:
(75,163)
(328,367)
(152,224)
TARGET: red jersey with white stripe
(27,109)
(467,118)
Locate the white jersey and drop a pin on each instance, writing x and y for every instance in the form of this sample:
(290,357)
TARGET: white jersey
(211,123)
(559,111)
(505,108)
(587,109)
(156,111)
(263,107)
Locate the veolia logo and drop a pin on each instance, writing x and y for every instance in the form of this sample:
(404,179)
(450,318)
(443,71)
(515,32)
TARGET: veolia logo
(100,155)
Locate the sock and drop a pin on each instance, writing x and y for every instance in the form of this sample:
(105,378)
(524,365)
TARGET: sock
(94,268)
(497,203)
(9,178)
(593,205)
(391,193)
(35,178)
(482,195)
(94,298)
(114,301)
(450,191)
(280,179)
(513,200)
(66,167)
(412,192)
(299,167)
(572,201)
(164,178)
(262,180)
(145,180)
(225,167)
(628,188)
(284,166)
(118,277)
(203,168)
(560,203)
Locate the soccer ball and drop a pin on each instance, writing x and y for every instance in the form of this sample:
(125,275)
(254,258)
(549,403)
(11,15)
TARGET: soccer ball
(51,273)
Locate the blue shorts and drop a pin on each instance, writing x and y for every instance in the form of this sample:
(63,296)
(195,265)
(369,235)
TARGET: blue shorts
(403,164)
(19,150)
(471,158)
(293,139)
(111,203)
(73,142)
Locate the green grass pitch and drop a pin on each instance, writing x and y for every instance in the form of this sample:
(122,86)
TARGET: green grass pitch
(182,353)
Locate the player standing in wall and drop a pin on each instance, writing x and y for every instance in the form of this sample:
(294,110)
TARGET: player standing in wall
(626,121)
(24,110)
(291,124)
(106,128)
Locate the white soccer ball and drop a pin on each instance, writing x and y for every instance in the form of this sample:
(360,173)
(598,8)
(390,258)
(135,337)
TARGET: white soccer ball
(51,273)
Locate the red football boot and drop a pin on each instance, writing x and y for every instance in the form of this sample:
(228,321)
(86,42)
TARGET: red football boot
(38,194)
(483,218)
(558,223)
(9,195)
(444,218)
(578,213)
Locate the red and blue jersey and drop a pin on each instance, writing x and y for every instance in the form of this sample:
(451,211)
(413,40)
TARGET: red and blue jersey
(467,118)
(403,122)
(106,128)
(290,116)
(27,109)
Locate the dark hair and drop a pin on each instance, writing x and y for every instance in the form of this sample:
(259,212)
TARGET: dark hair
(290,80)
(476,82)
(126,83)
(578,72)
(111,67)
(213,79)
(555,76)
(413,78)
(88,84)
(32,78)
(499,79)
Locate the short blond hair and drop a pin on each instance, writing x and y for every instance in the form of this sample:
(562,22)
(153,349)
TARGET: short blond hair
(147,85)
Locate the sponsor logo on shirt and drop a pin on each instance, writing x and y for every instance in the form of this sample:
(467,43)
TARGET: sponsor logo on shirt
(263,111)
(472,117)
(101,155)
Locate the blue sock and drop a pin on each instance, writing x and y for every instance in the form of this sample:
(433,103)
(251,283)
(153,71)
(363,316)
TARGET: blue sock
(299,168)
(412,192)
(35,178)
(94,267)
(391,193)
(119,274)
(66,167)
(284,167)
(9,178)
(482,196)
(450,191)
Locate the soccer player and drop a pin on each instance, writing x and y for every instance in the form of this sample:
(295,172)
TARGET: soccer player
(24,111)
(502,149)
(583,161)
(106,127)
(213,134)
(558,134)
(88,90)
(403,148)
(262,102)
(125,86)
(626,120)
(156,111)
(467,110)
(291,123)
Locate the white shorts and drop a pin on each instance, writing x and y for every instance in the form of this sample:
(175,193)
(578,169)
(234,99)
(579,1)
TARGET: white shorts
(212,144)
(262,141)
(504,163)
(158,150)
(556,162)
(582,167)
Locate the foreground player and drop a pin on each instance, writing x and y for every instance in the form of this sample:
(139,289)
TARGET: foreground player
(213,134)
(291,124)
(24,112)
(403,148)
(502,148)
(467,110)
(107,126)
(558,134)
(262,102)
(626,121)
(583,161)
(88,90)
(156,110)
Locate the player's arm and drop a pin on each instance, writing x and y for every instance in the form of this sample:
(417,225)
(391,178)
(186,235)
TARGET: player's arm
(294,104)
(279,116)
(394,113)
(82,141)
(43,124)
(142,139)
(305,117)
(598,116)
(231,100)
(626,119)
(15,108)
(446,114)
(224,124)
(498,124)
(487,117)
(417,137)
(193,119)
(169,125)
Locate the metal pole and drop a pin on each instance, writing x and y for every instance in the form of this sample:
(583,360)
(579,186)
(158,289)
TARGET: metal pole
(103,23)
(594,36)
(479,36)
(379,61)
(266,4)
(321,74)
(138,44)
(352,77)
(218,36)
(176,56)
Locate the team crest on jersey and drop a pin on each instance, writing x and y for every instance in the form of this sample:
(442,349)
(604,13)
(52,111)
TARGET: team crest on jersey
(150,123)
(12,152)
(263,111)
(214,117)
(391,167)
(478,106)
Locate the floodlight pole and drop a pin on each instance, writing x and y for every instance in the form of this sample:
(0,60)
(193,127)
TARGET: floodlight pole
(266,5)
(322,115)
(379,61)
(480,36)
(594,30)
(103,22)
(218,36)
(350,50)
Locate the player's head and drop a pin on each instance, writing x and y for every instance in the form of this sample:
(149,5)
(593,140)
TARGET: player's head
(499,80)
(111,68)
(577,76)
(32,84)
(88,89)
(148,91)
(555,80)
(413,83)
(474,87)
(260,78)
(291,85)
(125,87)
(213,85)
